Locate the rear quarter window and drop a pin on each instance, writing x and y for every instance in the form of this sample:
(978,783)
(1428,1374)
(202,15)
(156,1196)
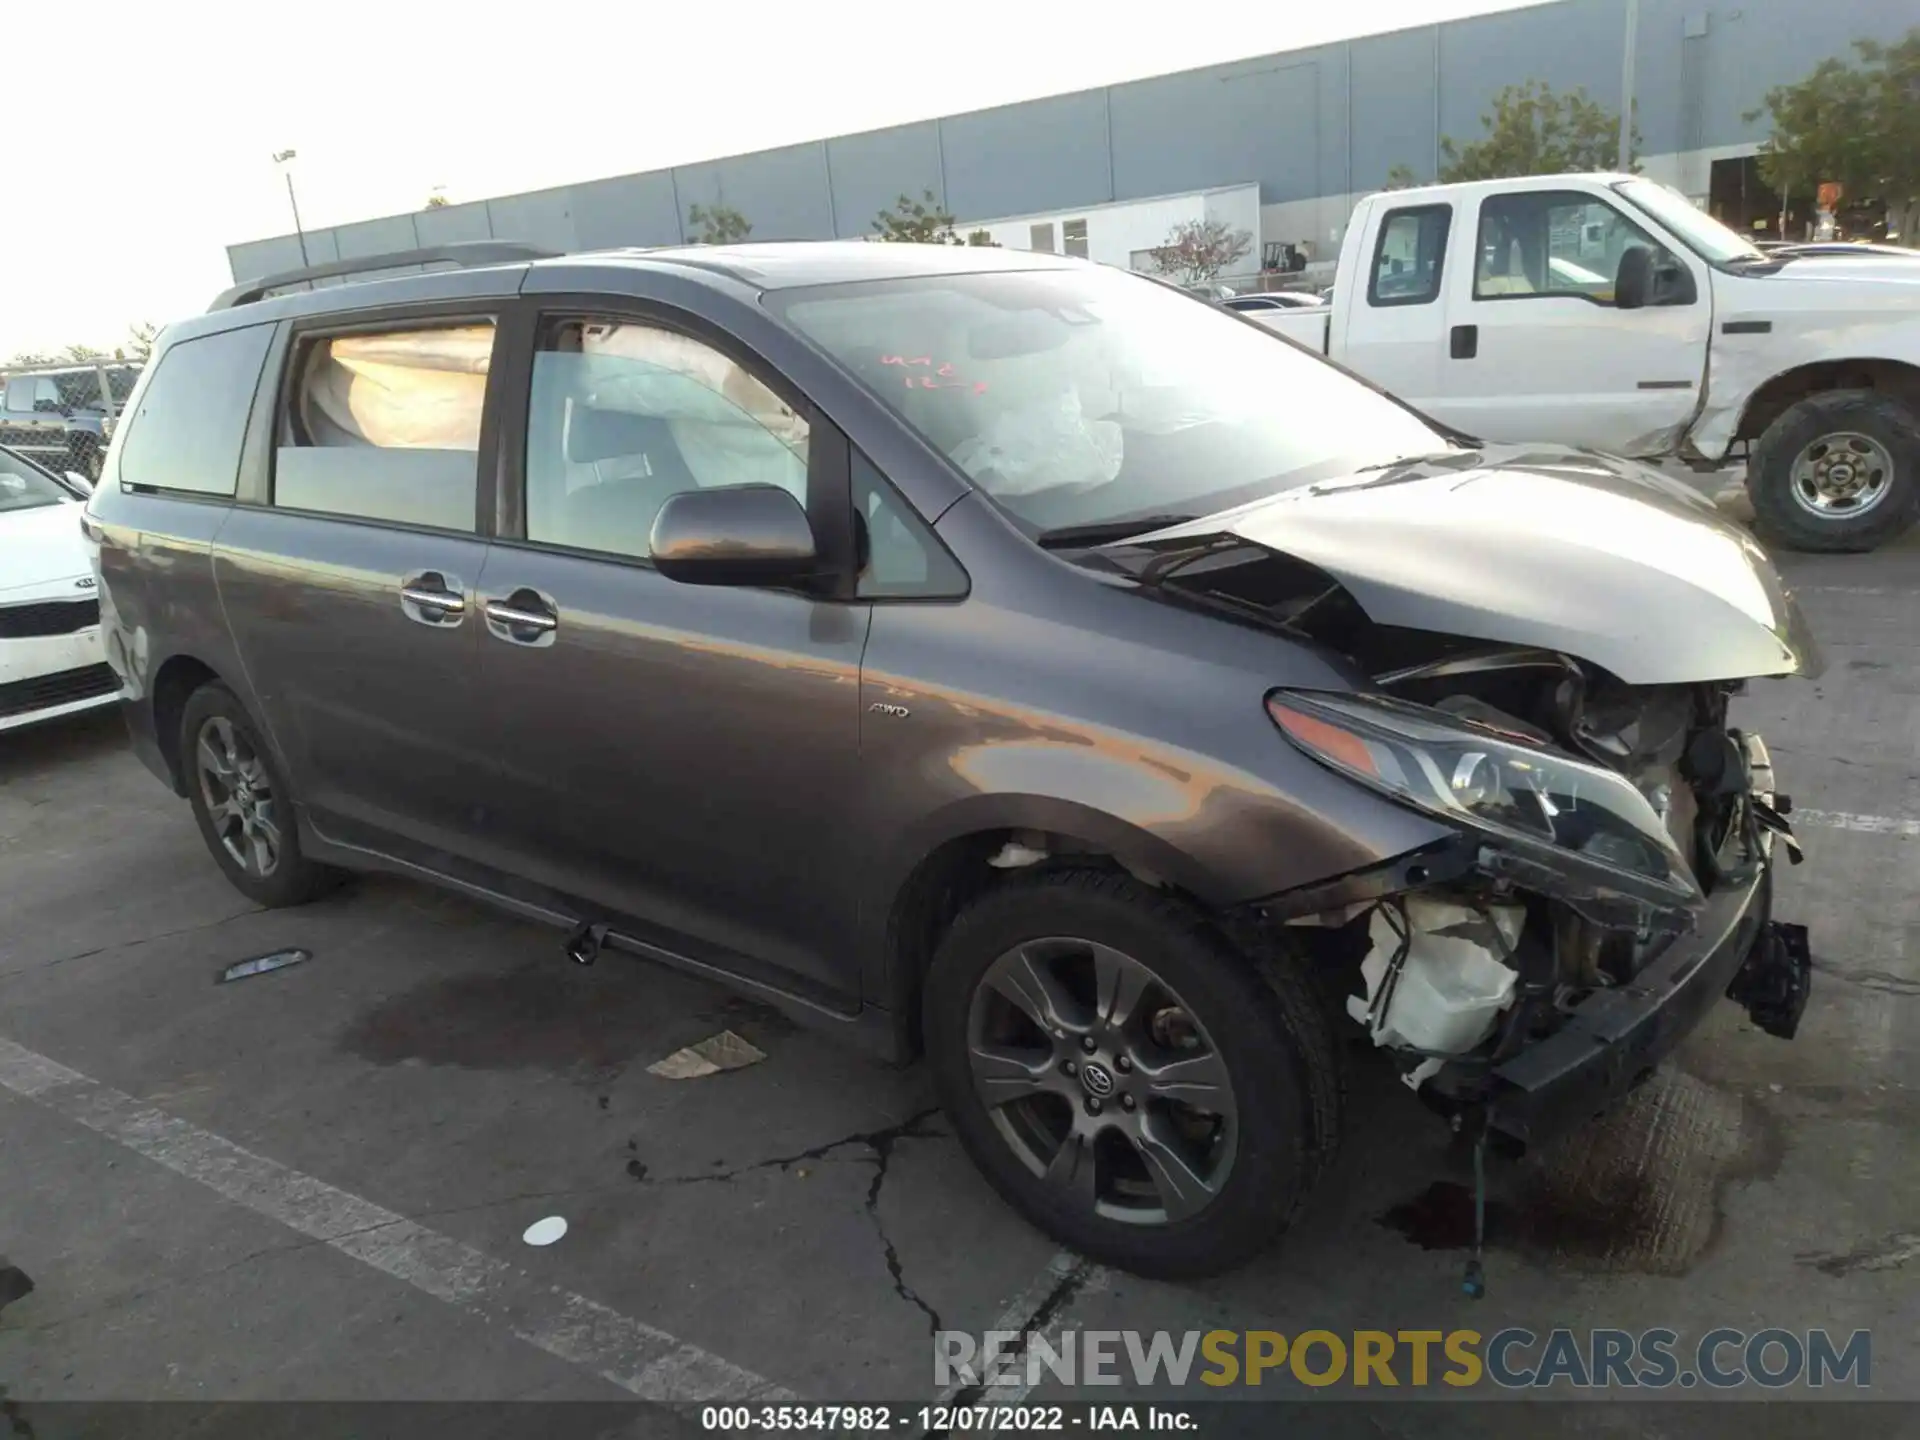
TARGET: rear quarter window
(186,435)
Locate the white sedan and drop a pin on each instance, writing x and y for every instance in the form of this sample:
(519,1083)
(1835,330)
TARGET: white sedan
(1263,309)
(50,659)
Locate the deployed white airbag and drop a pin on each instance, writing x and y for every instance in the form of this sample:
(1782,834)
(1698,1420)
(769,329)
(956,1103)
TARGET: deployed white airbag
(1446,995)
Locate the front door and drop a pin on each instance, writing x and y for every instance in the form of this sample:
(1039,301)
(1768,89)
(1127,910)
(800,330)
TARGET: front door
(681,758)
(1536,349)
(351,591)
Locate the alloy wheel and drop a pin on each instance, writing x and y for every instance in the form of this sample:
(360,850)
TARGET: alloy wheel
(1102,1082)
(239,796)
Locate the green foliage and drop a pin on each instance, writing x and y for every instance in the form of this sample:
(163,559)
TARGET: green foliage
(1531,130)
(1856,122)
(1196,251)
(717,225)
(436,202)
(922,222)
(982,237)
(1401,177)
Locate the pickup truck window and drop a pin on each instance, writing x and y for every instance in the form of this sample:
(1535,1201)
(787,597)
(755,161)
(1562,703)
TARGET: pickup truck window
(1409,255)
(1714,242)
(1541,243)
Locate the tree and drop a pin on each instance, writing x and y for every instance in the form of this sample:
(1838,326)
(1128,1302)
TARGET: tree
(1533,131)
(1401,177)
(983,237)
(139,342)
(436,201)
(717,225)
(921,222)
(1196,251)
(1853,122)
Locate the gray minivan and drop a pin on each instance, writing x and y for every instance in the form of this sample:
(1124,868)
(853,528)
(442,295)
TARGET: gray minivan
(991,655)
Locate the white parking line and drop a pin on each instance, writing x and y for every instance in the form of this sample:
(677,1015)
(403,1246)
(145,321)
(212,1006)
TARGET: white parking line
(1040,1309)
(647,1362)
(1866,824)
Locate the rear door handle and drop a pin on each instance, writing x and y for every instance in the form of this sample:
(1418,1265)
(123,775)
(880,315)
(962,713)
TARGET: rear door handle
(432,597)
(1464,342)
(523,617)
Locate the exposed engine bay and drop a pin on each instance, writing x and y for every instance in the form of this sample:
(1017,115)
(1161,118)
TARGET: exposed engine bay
(1599,818)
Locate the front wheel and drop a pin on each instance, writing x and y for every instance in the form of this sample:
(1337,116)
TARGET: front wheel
(1124,1078)
(1837,472)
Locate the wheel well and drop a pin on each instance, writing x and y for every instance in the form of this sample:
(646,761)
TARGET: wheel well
(176,680)
(1788,388)
(957,873)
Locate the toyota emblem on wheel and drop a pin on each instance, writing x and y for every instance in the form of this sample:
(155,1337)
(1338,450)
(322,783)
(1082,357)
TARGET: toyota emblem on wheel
(1097,1079)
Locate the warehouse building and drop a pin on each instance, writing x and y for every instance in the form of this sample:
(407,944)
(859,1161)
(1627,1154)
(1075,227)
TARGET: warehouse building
(1281,145)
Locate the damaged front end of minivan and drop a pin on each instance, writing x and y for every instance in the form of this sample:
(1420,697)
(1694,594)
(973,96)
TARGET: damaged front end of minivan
(1549,650)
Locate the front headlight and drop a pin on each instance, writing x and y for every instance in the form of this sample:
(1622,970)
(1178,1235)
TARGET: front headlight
(1538,804)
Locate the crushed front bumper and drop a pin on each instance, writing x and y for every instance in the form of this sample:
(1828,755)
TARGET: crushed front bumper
(1614,1038)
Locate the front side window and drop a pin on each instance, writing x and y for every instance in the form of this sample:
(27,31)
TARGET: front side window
(1554,243)
(24,486)
(386,426)
(1409,256)
(20,395)
(625,415)
(903,559)
(187,433)
(1083,396)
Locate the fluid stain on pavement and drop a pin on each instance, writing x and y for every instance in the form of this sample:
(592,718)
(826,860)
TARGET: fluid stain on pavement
(1638,1190)
(542,1016)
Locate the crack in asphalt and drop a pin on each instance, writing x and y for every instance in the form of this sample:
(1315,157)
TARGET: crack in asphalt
(1054,1303)
(1867,979)
(128,944)
(879,1146)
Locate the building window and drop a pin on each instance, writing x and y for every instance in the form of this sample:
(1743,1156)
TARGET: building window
(1041,237)
(1073,235)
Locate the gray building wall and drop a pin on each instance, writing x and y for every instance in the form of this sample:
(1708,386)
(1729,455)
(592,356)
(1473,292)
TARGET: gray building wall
(1311,127)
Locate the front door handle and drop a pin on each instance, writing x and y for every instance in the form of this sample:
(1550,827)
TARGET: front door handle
(434,598)
(1464,342)
(523,617)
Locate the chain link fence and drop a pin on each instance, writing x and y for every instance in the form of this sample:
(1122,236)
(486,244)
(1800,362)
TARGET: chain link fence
(63,416)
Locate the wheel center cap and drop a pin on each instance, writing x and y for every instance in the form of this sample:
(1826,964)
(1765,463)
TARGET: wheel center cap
(1096,1079)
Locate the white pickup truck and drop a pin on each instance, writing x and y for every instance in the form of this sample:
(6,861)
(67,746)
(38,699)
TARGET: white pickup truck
(1608,311)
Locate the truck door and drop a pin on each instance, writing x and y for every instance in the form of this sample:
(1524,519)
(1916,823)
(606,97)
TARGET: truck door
(1392,328)
(1535,347)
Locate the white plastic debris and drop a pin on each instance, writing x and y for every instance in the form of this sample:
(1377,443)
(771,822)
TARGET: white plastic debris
(545,1232)
(1451,986)
(725,1051)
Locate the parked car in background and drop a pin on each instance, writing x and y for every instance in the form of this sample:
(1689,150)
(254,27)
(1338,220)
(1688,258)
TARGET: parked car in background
(64,416)
(1610,312)
(991,654)
(1258,308)
(50,660)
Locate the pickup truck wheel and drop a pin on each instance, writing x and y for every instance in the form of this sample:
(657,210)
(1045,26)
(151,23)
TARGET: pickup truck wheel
(1839,471)
(1125,1078)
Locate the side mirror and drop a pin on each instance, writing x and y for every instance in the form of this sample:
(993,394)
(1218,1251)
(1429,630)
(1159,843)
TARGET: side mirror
(734,535)
(1634,279)
(80,483)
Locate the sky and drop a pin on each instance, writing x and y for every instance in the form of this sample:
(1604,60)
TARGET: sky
(163,124)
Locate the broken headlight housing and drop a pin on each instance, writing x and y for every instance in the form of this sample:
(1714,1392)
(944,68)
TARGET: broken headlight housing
(1551,822)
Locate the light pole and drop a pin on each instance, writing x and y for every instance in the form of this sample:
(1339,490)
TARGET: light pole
(280,158)
(1626,85)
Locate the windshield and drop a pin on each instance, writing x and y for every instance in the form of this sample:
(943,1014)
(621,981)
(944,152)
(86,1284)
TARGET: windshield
(1079,397)
(1706,236)
(24,486)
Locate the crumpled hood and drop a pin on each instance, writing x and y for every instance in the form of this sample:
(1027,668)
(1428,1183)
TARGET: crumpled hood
(1602,559)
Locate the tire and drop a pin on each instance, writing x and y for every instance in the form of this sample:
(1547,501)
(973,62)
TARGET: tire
(1793,506)
(1245,1160)
(259,793)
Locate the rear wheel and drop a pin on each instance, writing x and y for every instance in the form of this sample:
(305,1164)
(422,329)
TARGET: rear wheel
(243,804)
(1126,1080)
(1839,471)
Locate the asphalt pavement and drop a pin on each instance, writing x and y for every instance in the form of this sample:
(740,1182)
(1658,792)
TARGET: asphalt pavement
(313,1184)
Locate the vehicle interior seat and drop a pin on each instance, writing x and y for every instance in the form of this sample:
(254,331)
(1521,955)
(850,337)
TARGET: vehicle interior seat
(638,464)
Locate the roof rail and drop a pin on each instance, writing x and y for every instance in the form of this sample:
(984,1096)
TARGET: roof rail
(462,253)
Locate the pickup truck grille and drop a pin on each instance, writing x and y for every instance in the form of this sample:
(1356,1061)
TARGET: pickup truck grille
(43,692)
(47,617)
